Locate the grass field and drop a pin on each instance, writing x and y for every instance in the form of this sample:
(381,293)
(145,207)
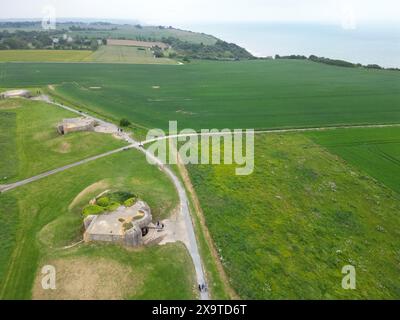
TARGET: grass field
(8,159)
(39,219)
(247,94)
(30,143)
(150,32)
(286,231)
(375,151)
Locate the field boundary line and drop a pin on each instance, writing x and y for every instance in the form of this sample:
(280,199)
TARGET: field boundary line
(291,130)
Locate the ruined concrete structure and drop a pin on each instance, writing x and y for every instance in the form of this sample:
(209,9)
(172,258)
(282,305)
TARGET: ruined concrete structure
(15,94)
(127,226)
(76,124)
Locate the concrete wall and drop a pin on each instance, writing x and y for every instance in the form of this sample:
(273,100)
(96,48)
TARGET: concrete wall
(88,127)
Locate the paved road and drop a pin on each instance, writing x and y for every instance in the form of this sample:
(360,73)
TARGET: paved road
(185,211)
(8,187)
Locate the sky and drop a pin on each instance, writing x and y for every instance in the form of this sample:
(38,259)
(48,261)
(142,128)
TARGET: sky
(347,13)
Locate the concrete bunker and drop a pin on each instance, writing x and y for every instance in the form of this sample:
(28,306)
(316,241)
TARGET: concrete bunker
(75,125)
(125,225)
(15,94)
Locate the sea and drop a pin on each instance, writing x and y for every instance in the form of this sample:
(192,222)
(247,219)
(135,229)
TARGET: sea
(373,43)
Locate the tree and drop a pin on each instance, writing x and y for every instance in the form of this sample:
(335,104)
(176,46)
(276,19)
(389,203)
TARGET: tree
(124,123)
(94,45)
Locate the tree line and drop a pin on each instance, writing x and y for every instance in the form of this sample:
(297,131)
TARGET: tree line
(221,50)
(334,62)
(45,40)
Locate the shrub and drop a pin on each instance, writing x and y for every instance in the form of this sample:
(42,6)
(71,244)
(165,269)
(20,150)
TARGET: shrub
(121,196)
(127,226)
(92,209)
(124,123)
(113,206)
(103,202)
(130,202)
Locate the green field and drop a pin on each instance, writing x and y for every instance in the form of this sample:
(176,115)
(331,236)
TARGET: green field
(286,231)
(375,151)
(40,218)
(30,143)
(8,159)
(246,94)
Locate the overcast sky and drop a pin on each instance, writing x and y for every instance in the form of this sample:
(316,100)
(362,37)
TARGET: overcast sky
(175,12)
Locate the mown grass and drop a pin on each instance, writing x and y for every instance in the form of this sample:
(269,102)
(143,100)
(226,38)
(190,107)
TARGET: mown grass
(158,272)
(243,94)
(287,231)
(8,222)
(8,152)
(374,151)
(32,145)
(45,217)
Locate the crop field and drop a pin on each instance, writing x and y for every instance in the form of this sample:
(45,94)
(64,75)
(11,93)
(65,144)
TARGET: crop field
(105,54)
(45,55)
(30,143)
(374,151)
(287,231)
(122,54)
(39,219)
(244,94)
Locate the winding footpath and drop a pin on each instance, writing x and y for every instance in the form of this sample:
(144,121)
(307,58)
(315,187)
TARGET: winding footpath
(184,202)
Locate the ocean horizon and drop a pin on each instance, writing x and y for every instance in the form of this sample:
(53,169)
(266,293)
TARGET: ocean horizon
(365,44)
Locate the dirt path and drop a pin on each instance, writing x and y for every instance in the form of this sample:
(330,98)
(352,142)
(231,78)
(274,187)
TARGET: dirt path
(199,212)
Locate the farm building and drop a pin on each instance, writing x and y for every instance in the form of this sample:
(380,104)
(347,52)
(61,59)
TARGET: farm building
(15,94)
(76,124)
(125,225)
